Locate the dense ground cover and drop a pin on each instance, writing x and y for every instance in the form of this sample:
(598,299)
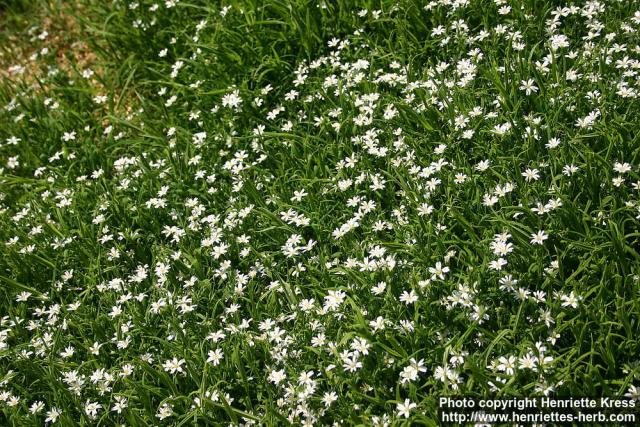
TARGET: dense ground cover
(316,213)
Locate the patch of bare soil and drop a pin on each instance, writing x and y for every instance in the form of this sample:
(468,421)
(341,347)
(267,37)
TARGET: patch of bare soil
(55,41)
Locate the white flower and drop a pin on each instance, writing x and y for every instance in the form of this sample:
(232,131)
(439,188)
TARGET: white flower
(531,175)
(507,365)
(621,167)
(329,398)
(438,271)
(539,237)
(409,297)
(497,264)
(411,372)
(121,403)
(69,136)
(379,288)
(68,352)
(165,411)
(91,409)
(215,356)
(334,300)
(528,86)
(558,41)
(52,415)
(232,100)
(405,408)
(483,165)
(553,143)
(569,300)
(174,365)
(277,377)
(528,361)
(36,407)
(425,209)
(23,296)
(633,393)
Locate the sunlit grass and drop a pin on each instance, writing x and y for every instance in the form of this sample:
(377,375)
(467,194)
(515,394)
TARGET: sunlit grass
(298,213)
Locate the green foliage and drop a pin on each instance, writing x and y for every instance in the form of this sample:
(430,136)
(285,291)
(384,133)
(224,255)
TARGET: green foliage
(290,212)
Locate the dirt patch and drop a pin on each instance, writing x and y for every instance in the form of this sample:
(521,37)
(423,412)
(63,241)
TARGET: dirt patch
(54,40)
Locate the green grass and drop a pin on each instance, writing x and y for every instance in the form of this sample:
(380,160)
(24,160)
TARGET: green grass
(243,176)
